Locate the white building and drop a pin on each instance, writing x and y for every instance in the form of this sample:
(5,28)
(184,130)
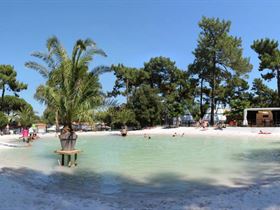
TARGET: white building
(262,117)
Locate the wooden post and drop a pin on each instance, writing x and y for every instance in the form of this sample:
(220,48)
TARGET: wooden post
(68,153)
(62,159)
(69,160)
(76,156)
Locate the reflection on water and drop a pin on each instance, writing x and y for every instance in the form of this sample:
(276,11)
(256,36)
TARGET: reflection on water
(112,164)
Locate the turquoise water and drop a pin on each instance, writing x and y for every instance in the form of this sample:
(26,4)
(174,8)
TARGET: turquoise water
(163,162)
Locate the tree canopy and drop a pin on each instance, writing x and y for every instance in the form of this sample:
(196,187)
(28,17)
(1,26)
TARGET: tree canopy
(157,92)
(218,55)
(269,56)
(71,88)
(9,82)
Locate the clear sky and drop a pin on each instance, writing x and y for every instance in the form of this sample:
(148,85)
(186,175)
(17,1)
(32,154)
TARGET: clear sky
(129,31)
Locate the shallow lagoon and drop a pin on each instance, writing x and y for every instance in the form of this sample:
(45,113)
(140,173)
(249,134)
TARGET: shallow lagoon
(163,164)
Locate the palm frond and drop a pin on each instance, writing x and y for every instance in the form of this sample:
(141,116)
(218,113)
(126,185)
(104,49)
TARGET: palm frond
(100,70)
(89,43)
(56,49)
(46,58)
(71,89)
(39,68)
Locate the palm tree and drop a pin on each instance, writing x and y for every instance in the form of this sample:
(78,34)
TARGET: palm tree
(26,116)
(71,89)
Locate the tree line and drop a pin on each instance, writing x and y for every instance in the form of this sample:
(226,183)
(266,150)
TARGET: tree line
(160,91)
(13,110)
(157,93)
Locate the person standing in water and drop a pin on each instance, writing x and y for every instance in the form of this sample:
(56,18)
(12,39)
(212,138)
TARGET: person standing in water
(25,135)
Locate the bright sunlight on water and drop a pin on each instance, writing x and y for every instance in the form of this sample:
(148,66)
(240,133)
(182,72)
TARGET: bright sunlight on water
(134,163)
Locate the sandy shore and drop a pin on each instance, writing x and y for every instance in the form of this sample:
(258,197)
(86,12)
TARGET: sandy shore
(186,131)
(191,131)
(24,188)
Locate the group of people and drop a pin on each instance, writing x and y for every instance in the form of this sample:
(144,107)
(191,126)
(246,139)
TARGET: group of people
(202,124)
(175,134)
(29,134)
(147,136)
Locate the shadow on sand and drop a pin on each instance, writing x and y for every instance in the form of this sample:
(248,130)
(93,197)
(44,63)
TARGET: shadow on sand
(161,191)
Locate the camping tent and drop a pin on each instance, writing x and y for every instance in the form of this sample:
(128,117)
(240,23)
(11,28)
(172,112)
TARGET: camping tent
(218,114)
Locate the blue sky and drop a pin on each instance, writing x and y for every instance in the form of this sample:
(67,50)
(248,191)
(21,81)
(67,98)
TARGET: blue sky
(129,31)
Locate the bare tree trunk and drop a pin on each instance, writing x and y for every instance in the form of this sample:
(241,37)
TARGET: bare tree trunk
(56,121)
(177,122)
(126,91)
(201,98)
(2,97)
(278,86)
(213,93)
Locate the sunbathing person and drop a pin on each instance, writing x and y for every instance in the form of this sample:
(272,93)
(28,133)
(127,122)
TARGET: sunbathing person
(264,132)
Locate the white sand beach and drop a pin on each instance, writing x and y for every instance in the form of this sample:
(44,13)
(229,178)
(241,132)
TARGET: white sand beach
(187,131)
(23,188)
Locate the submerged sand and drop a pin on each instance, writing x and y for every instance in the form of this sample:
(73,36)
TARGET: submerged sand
(25,188)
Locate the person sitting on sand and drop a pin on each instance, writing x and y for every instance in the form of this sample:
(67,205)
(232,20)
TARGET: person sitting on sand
(219,126)
(264,132)
(204,125)
(199,123)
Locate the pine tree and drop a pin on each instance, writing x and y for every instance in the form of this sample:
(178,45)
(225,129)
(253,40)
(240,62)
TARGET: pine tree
(218,54)
(269,56)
